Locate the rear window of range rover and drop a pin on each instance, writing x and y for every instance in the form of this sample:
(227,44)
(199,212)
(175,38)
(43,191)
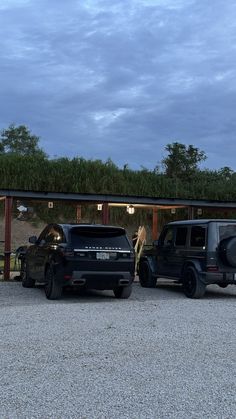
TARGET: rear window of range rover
(99,237)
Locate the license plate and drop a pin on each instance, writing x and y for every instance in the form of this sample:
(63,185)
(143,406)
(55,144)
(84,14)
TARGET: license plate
(102,255)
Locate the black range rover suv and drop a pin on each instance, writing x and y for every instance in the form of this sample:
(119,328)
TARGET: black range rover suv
(83,255)
(194,252)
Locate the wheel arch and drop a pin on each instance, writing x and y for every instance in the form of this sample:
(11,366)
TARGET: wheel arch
(47,265)
(151,262)
(50,262)
(191,263)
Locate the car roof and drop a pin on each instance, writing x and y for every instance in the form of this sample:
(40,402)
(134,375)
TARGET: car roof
(68,226)
(201,221)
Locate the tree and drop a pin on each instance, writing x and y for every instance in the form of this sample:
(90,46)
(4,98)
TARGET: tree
(182,161)
(226,172)
(20,141)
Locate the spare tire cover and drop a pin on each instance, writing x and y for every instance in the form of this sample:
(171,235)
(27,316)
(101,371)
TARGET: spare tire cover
(228,251)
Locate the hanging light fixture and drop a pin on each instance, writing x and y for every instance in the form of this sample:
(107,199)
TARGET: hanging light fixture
(99,207)
(130,209)
(173,210)
(199,211)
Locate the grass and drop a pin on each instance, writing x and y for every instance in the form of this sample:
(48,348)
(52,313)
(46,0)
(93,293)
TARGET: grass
(14,266)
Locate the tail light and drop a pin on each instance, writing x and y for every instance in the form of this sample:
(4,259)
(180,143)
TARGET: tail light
(127,254)
(212,268)
(67,251)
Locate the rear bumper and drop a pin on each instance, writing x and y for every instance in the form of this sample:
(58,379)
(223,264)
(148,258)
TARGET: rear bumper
(218,278)
(101,280)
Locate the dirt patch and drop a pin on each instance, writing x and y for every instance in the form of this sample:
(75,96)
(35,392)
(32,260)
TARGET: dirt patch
(21,231)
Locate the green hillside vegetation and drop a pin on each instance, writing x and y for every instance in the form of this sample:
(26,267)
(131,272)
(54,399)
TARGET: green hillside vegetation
(24,166)
(94,176)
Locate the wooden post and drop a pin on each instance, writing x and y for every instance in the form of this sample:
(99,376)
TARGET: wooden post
(105,213)
(7,251)
(190,213)
(154,223)
(78,213)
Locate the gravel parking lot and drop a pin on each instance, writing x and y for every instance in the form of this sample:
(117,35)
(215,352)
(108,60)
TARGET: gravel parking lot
(156,355)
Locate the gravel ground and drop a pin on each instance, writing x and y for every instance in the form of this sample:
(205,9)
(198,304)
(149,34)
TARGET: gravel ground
(156,355)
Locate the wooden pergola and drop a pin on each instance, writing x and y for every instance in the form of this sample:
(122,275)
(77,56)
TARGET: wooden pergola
(107,201)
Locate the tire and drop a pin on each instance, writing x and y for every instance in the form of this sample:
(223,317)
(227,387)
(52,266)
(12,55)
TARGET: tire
(227,251)
(53,288)
(192,286)
(27,281)
(123,292)
(146,278)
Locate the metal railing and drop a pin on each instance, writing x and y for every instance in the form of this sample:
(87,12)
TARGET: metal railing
(15,258)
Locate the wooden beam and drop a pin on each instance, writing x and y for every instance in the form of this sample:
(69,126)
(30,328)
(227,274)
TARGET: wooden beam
(7,250)
(78,213)
(105,213)
(154,223)
(190,213)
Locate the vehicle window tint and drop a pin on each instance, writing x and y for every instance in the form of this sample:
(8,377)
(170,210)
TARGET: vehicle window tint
(43,235)
(181,235)
(98,238)
(49,237)
(54,235)
(227,230)
(167,237)
(58,235)
(197,238)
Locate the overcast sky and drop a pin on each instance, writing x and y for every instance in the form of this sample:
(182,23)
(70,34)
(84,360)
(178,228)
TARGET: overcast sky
(120,79)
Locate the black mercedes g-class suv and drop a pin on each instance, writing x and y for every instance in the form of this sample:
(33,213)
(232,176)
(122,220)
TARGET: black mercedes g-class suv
(194,252)
(83,255)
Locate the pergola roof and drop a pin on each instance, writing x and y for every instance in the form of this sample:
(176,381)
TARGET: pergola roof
(115,199)
(108,200)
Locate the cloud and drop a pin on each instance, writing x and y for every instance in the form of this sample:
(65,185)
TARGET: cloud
(121,79)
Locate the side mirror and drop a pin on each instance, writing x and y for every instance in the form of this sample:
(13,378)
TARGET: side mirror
(32,239)
(155,243)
